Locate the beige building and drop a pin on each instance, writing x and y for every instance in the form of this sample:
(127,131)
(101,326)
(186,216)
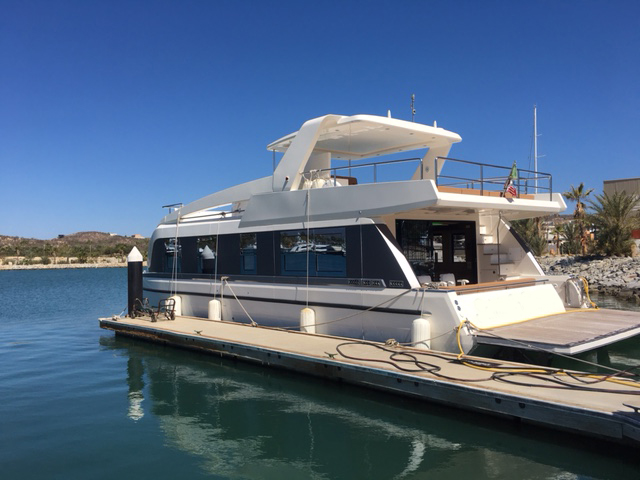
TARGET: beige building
(629,185)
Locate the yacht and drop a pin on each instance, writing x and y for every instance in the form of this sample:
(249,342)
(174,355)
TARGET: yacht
(368,229)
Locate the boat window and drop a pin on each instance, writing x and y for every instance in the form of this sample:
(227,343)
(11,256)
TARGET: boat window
(207,251)
(438,254)
(459,247)
(322,252)
(248,250)
(330,252)
(293,256)
(172,255)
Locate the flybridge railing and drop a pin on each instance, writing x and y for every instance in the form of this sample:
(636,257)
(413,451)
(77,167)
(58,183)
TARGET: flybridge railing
(347,170)
(463,174)
(491,178)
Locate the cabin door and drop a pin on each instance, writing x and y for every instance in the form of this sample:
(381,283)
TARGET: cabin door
(434,248)
(454,250)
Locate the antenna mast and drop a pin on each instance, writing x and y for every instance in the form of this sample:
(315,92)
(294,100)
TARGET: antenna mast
(413,110)
(535,146)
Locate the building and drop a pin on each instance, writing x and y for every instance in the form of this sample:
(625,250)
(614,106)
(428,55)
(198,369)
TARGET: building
(629,185)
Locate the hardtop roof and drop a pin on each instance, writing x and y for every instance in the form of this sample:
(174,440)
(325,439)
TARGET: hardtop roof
(363,136)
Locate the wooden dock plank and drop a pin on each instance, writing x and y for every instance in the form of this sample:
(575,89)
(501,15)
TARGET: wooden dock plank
(447,380)
(571,332)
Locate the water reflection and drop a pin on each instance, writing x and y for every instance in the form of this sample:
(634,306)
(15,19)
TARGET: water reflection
(243,421)
(135,380)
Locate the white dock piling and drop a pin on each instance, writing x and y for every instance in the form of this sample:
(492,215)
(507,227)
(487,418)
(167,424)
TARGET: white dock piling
(134,279)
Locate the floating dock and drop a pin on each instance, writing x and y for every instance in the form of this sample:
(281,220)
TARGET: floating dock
(607,407)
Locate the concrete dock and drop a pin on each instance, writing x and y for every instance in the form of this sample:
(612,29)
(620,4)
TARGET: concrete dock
(600,406)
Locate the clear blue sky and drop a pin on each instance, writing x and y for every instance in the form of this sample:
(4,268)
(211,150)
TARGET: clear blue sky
(111,109)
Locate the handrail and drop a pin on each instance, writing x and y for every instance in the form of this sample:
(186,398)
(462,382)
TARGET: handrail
(370,164)
(485,182)
(518,182)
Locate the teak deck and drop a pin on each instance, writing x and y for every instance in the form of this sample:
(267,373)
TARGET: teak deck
(568,333)
(489,286)
(484,193)
(612,415)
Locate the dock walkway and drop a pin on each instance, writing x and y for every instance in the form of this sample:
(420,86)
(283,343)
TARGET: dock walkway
(587,404)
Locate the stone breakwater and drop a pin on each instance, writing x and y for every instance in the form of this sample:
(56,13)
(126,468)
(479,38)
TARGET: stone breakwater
(616,276)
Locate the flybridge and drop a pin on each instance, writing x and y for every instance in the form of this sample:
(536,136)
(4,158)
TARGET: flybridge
(309,162)
(355,138)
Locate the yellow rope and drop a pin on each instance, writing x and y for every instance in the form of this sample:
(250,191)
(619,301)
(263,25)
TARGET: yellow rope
(586,291)
(532,370)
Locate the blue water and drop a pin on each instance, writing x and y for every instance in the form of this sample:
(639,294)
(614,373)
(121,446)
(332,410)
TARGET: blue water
(77,402)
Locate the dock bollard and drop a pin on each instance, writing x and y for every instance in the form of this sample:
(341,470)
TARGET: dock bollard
(134,278)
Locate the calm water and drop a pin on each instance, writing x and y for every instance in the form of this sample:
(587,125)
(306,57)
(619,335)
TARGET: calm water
(78,403)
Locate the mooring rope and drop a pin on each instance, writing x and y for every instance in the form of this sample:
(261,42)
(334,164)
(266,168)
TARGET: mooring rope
(253,322)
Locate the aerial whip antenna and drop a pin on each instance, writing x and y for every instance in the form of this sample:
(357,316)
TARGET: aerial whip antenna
(535,146)
(413,110)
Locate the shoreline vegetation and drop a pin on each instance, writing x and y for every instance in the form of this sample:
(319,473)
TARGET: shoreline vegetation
(60,266)
(76,250)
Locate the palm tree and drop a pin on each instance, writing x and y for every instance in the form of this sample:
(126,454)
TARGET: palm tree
(571,240)
(530,229)
(557,231)
(614,218)
(578,194)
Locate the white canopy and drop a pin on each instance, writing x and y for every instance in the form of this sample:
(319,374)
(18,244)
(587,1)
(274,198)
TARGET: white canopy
(364,136)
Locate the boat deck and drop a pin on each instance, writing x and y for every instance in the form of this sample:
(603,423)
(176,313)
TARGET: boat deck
(605,408)
(570,333)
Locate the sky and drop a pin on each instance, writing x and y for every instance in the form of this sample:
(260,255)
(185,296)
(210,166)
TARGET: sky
(111,109)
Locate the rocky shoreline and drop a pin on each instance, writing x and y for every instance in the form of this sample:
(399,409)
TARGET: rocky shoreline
(615,276)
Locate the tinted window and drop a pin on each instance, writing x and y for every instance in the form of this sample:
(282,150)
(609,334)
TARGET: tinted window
(321,251)
(248,253)
(207,250)
(172,255)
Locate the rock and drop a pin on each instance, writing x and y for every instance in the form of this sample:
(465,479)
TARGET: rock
(607,275)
